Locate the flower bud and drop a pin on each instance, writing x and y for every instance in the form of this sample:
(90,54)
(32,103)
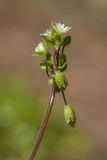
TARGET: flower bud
(60,80)
(69,115)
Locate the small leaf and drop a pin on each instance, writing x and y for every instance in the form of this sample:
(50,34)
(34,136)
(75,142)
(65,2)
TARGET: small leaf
(62,59)
(49,59)
(62,62)
(66,40)
(63,68)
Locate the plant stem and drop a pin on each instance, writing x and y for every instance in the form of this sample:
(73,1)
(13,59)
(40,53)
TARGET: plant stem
(47,72)
(64,98)
(44,122)
(63,48)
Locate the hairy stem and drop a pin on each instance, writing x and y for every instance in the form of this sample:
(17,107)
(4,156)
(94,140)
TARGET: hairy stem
(44,122)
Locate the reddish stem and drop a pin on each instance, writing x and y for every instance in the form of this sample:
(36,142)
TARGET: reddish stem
(44,122)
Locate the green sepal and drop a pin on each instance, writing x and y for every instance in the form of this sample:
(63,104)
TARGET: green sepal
(66,40)
(62,62)
(60,80)
(57,41)
(48,42)
(53,35)
(69,115)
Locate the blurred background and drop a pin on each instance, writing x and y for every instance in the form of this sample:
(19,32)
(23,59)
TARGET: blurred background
(24,89)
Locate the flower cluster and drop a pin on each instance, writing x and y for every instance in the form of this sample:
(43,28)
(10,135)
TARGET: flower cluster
(52,37)
(56,64)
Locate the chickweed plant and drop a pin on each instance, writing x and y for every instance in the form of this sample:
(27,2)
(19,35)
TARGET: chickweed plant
(54,64)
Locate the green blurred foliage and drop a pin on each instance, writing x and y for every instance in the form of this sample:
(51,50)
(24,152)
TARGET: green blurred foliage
(21,113)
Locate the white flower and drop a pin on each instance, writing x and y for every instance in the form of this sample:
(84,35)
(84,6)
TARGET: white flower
(60,28)
(48,33)
(41,49)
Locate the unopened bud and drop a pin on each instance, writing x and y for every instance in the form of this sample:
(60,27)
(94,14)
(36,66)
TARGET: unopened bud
(60,80)
(69,115)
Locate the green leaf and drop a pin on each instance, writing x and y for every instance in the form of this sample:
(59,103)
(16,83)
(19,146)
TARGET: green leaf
(69,115)
(49,59)
(63,68)
(62,62)
(66,40)
(62,59)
